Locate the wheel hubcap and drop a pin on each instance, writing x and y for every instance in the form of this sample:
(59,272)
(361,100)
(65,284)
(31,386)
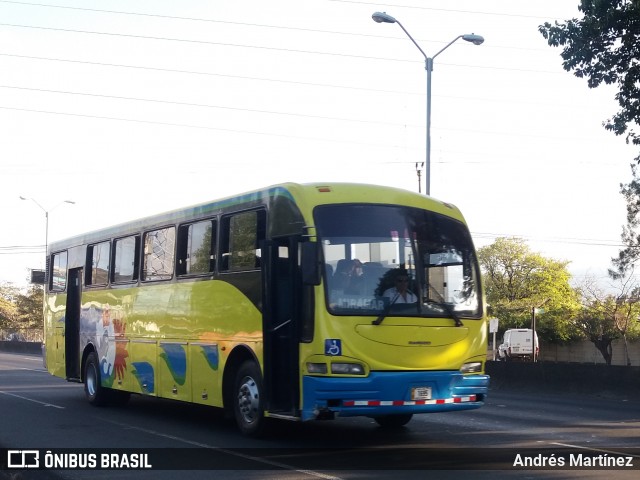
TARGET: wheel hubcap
(249,400)
(91,381)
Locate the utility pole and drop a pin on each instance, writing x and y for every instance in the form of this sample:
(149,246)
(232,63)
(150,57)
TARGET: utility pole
(533,334)
(419,172)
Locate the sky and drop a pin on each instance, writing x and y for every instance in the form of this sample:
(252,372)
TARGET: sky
(131,108)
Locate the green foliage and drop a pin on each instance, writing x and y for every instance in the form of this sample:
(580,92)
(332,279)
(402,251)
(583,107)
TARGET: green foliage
(629,255)
(518,280)
(8,309)
(604,47)
(20,310)
(29,308)
(606,317)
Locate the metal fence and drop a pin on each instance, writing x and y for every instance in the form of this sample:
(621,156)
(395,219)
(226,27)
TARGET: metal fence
(22,335)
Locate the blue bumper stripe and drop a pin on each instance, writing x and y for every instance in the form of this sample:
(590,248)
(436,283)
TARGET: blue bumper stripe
(383,393)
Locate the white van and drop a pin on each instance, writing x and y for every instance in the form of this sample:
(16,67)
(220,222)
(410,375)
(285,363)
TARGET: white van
(516,345)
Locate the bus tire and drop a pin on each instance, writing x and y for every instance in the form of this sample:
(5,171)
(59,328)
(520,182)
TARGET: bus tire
(248,406)
(96,394)
(393,421)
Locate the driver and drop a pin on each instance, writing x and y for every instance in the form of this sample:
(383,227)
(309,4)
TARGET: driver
(400,292)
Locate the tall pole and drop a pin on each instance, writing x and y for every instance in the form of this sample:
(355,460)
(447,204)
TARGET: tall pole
(533,334)
(428,65)
(46,219)
(383,17)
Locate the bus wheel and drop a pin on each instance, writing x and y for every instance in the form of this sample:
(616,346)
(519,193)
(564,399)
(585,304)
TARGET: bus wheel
(93,389)
(393,421)
(247,407)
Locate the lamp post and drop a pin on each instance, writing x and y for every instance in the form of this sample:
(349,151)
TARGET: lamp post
(46,217)
(381,17)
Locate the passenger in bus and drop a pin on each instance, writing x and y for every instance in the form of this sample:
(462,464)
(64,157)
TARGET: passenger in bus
(348,276)
(400,292)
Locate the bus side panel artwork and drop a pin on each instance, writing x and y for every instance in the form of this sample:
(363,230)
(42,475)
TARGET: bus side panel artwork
(164,341)
(173,381)
(141,369)
(205,373)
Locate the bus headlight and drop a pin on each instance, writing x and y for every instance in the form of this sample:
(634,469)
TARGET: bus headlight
(347,368)
(471,367)
(317,367)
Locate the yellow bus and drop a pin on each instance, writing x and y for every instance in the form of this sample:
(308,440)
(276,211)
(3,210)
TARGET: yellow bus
(293,302)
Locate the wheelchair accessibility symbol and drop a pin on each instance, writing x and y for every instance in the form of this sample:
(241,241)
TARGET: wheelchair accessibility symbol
(332,347)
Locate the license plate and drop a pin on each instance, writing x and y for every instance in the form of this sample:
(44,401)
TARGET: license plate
(421,393)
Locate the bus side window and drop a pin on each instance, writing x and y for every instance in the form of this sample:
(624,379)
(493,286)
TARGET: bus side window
(126,256)
(97,271)
(241,237)
(196,248)
(58,281)
(159,252)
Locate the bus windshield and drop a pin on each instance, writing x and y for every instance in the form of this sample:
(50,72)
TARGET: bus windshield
(398,261)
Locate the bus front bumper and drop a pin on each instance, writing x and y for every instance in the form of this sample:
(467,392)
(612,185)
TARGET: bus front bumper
(389,393)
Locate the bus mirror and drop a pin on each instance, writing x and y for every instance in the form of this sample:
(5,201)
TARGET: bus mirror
(310,263)
(38,277)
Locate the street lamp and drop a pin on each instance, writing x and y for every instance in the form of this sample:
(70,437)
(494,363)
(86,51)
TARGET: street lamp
(382,17)
(46,216)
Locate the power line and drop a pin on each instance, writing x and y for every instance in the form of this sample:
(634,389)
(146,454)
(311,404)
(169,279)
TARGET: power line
(274,80)
(271,112)
(207,42)
(279,49)
(278,27)
(197,19)
(22,250)
(452,10)
(195,72)
(202,127)
(190,104)
(567,240)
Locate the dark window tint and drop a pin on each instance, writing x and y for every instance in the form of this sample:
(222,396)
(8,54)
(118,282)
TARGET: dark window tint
(59,272)
(242,234)
(196,248)
(125,259)
(98,257)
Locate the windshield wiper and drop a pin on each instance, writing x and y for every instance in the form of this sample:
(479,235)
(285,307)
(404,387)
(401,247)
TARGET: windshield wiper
(449,309)
(385,311)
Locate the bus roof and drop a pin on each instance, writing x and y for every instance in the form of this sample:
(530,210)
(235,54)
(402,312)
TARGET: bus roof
(304,196)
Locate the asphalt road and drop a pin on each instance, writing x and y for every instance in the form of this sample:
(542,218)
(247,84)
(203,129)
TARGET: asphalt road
(38,411)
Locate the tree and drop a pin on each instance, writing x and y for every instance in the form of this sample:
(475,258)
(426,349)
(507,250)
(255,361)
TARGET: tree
(8,308)
(604,46)
(630,254)
(29,308)
(606,317)
(518,280)
(20,310)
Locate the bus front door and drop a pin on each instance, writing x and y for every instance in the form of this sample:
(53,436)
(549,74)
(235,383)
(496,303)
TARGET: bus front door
(72,325)
(281,289)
